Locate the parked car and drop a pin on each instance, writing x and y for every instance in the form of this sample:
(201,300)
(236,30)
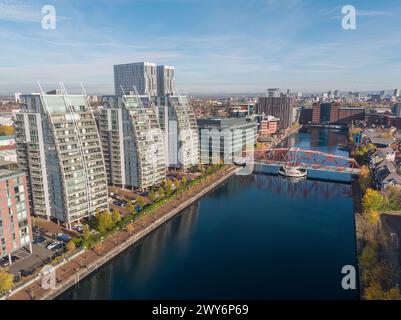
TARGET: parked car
(120,203)
(38,240)
(63,237)
(79,228)
(26,273)
(55,245)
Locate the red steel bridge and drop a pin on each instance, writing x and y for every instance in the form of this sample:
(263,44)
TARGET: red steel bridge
(309,159)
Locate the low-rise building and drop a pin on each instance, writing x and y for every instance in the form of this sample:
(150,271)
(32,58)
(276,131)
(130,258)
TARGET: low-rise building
(268,126)
(381,154)
(15,221)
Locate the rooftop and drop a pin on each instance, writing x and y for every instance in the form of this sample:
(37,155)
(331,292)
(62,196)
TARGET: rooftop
(5,174)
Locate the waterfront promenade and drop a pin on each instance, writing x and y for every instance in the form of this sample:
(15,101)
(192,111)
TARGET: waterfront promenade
(70,272)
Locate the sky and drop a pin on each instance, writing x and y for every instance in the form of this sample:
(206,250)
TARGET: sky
(217,46)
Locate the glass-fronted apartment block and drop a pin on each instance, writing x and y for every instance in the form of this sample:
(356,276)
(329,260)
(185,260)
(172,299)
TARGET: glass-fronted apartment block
(178,121)
(133,142)
(15,220)
(59,148)
(139,75)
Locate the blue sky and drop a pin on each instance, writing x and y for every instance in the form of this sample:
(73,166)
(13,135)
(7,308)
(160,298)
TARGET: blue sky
(217,46)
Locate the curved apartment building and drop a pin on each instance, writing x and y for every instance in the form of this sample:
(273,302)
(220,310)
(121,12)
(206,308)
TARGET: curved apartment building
(59,147)
(187,130)
(133,142)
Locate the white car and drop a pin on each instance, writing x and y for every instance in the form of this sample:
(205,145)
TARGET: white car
(54,245)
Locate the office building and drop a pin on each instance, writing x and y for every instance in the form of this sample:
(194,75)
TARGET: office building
(15,220)
(397,93)
(132,141)
(277,105)
(223,139)
(59,148)
(165,80)
(140,75)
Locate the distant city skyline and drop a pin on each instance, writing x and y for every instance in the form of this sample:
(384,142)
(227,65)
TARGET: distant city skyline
(217,47)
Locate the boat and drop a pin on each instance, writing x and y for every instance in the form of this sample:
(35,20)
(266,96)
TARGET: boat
(343,147)
(292,171)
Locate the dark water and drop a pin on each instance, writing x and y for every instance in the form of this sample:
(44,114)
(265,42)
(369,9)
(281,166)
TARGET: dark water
(256,236)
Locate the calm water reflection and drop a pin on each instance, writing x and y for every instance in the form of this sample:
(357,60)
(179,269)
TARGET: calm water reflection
(255,236)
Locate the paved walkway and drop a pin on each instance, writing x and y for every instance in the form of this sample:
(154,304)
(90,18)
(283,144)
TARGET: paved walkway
(70,270)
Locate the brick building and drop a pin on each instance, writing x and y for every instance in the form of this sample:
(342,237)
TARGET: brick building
(15,221)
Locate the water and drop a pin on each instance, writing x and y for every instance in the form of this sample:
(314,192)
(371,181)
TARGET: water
(254,237)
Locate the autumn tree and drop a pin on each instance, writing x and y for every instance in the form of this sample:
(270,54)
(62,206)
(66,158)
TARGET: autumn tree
(374,291)
(140,201)
(372,216)
(130,228)
(161,192)
(393,198)
(169,187)
(130,207)
(6,282)
(365,178)
(369,255)
(104,222)
(372,200)
(86,233)
(70,246)
(99,248)
(152,196)
(6,130)
(184,180)
(116,216)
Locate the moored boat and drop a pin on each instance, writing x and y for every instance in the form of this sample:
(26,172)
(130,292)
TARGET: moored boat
(292,171)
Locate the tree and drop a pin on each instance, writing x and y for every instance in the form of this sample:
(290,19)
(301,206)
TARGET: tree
(130,228)
(372,216)
(161,192)
(169,187)
(372,200)
(152,196)
(98,248)
(6,281)
(6,130)
(86,233)
(130,207)
(374,291)
(70,246)
(184,180)
(104,222)
(365,178)
(368,257)
(116,216)
(361,153)
(140,201)
(393,198)
(393,294)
